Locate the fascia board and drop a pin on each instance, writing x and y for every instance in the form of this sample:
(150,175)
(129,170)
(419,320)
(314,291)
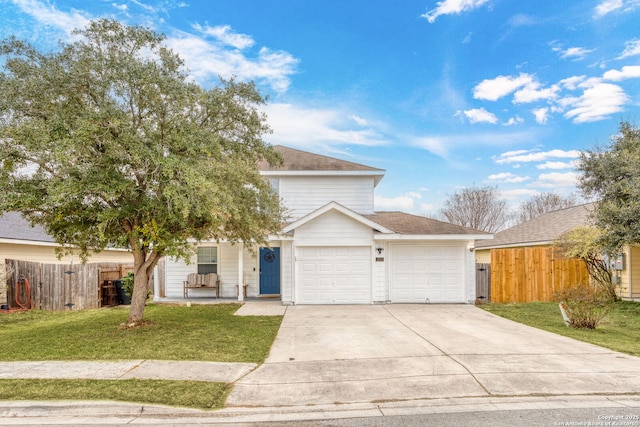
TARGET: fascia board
(433,237)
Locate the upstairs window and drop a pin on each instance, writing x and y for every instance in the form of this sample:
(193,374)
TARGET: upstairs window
(207,259)
(275,184)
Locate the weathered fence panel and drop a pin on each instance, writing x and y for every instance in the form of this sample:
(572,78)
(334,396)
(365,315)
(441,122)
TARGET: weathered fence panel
(483,283)
(532,274)
(58,286)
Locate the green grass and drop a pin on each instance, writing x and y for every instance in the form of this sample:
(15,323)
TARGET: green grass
(199,332)
(191,394)
(619,331)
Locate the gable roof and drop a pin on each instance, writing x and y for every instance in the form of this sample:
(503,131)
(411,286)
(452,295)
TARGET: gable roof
(404,223)
(396,225)
(14,227)
(298,160)
(541,230)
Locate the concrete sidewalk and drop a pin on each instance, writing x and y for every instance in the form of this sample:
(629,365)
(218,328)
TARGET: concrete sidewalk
(122,370)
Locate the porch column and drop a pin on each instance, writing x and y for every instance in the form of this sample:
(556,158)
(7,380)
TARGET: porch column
(156,284)
(240,272)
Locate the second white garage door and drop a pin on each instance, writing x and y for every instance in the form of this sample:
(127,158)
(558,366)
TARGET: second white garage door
(427,274)
(333,275)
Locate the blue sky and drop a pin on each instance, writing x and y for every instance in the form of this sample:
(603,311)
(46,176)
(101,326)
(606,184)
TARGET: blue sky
(441,94)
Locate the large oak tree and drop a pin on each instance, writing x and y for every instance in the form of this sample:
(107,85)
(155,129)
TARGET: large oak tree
(108,143)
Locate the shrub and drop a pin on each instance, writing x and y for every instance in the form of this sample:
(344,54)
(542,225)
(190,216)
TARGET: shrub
(584,305)
(127,284)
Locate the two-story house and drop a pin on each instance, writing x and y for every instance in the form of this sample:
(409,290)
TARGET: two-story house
(336,249)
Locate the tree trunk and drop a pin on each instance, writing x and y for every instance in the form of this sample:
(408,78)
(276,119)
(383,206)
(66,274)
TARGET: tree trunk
(139,295)
(143,271)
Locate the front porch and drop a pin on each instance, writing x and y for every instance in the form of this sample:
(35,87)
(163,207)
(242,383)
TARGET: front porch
(242,273)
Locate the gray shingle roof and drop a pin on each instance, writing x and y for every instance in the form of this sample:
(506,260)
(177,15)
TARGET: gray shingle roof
(14,226)
(404,223)
(541,230)
(298,160)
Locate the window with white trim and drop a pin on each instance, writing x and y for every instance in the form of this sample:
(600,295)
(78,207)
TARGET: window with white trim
(207,259)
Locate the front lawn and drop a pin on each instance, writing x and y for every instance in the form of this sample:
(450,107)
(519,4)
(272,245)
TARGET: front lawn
(619,331)
(199,332)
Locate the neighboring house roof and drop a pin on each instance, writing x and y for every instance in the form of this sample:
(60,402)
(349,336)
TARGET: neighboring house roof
(404,223)
(541,230)
(14,227)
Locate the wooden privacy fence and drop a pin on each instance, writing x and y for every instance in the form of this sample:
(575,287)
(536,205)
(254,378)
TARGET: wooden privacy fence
(58,286)
(532,274)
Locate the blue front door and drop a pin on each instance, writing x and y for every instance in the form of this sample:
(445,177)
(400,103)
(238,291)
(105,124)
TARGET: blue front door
(269,271)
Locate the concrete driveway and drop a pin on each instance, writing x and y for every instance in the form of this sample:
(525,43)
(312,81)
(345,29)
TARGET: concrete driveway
(382,353)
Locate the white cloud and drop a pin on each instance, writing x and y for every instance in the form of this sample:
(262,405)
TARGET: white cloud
(517,193)
(226,35)
(494,89)
(573,82)
(541,114)
(557,180)
(627,72)
(47,14)
(631,48)
(575,53)
(608,6)
(404,202)
(533,92)
(525,156)
(557,165)
(598,102)
(447,7)
(305,127)
(359,120)
(513,121)
(480,115)
(434,144)
(206,60)
(507,177)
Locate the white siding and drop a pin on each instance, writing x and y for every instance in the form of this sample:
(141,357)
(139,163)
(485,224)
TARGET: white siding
(302,195)
(380,275)
(286,276)
(333,229)
(176,271)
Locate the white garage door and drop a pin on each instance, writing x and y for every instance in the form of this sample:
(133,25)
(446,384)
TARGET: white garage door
(427,274)
(333,275)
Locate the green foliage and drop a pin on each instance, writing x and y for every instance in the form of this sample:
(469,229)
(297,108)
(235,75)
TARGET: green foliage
(611,174)
(584,305)
(587,244)
(127,284)
(107,142)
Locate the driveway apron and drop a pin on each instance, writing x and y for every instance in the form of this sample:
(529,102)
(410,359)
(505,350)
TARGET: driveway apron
(351,354)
